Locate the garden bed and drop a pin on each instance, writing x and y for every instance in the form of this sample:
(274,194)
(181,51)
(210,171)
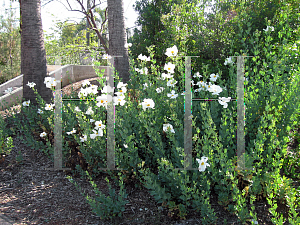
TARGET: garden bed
(31,195)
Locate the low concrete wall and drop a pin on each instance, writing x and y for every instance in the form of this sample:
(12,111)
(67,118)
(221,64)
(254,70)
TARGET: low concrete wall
(69,74)
(51,68)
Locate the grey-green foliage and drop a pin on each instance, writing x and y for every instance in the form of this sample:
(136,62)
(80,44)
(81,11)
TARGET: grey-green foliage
(106,207)
(5,141)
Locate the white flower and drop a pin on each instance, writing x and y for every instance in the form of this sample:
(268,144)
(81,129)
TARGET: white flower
(202,163)
(102,100)
(50,82)
(31,85)
(86,82)
(72,132)
(147,103)
(92,90)
(91,120)
(269,28)
(168,127)
(98,132)
(83,93)
(164,76)
(77,109)
(119,99)
(213,77)
(215,89)
(99,125)
(9,90)
(94,86)
(43,134)
(83,139)
(107,89)
(122,91)
(159,90)
(197,75)
(127,45)
(121,84)
(143,57)
(172,51)
(228,61)
(146,85)
(207,85)
(40,111)
(171,83)
(200,83)
(105,56)
(89,111)
(199,89)
(47,79)
(26,103)
(172,95)
(169,67)
(223,101)
(144,71)
(49,106)
(93,136)
(126,146)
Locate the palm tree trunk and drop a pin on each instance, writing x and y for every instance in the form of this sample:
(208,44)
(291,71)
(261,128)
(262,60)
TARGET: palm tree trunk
(33,55)
(117,38)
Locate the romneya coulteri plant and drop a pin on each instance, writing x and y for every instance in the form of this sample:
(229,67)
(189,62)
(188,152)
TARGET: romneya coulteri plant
(149,129)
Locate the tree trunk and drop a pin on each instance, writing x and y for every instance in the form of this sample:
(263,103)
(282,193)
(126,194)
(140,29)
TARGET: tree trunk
(117,38)
(33,55)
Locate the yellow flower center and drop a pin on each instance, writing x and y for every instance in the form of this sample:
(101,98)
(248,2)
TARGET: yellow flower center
(148,104)
(172,52)
(202,164)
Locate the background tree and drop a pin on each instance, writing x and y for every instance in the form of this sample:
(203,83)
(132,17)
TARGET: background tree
(89,15)
(71,44)
(217,35)
(118,38)
(10,47)
(117,34)
(33,55)
(153,30)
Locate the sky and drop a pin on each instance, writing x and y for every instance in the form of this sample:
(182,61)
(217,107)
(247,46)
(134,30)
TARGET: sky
(57,11)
